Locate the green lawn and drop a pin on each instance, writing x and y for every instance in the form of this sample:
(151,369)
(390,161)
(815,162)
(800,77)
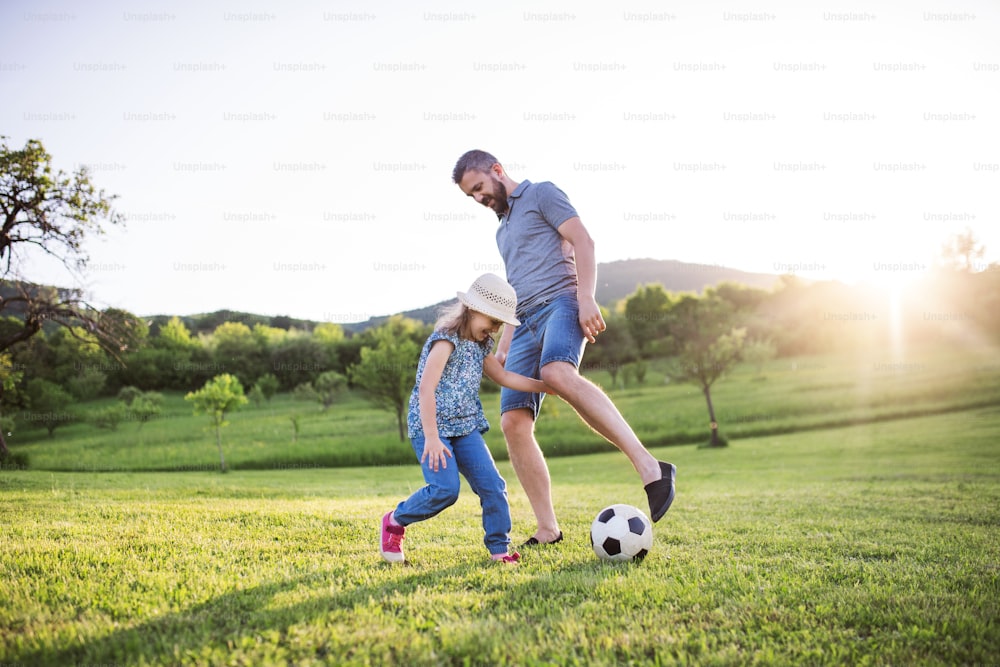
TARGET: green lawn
(871,544)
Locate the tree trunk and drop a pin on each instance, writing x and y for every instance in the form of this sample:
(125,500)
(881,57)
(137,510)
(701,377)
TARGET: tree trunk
(218,443)
(713,425)
(4,452)
(400,423)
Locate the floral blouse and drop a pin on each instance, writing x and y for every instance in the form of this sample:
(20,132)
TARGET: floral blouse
(459,410)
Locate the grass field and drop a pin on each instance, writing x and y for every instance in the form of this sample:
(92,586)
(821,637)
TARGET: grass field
(789,395)
(873,544)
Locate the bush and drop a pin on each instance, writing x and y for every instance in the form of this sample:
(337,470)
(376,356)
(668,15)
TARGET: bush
(108,417)
(128,394)
(146,407)
(14,461)
(50,405)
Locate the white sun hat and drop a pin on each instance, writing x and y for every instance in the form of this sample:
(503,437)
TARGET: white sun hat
(493,296)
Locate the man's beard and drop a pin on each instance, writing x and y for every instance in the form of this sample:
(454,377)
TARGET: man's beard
(498,201)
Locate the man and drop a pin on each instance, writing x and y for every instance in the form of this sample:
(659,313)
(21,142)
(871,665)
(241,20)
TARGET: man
(549,256)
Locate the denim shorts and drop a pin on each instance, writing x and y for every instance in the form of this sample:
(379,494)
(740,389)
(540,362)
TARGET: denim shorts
(549,332)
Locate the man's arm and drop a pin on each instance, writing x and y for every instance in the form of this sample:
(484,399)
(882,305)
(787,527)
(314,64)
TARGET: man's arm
(503,346)
(591,320)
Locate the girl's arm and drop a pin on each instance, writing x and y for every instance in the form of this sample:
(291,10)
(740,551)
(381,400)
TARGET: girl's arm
(434,450)
(496,372)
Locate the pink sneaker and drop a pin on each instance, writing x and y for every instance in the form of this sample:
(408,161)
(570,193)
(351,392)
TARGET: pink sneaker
(392,537)
(508,558)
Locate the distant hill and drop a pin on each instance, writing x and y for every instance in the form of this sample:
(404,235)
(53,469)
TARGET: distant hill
(616,280)
(207,322)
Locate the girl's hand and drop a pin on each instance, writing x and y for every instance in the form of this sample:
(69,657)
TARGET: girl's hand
(435,454)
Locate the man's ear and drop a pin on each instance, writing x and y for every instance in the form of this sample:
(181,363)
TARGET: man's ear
(498,169)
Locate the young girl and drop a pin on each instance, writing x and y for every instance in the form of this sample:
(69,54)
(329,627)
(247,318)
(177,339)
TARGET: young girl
(446,419)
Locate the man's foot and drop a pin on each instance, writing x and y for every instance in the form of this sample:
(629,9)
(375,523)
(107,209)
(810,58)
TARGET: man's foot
(507,558)
(392,538)
(661,492)
(534,542)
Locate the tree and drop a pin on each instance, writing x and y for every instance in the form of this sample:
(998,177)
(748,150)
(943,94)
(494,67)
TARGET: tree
(268,336)
(42,211)
(236,349)
(220,395)
(145,407)
(331,339)
(387,371)
(268,385)
(128,394)
(328,333)
(10,376)
(646,314)
(758,352)
(707,344)
(50,404)
(79,363)
(962,251)
(141,406)
(173,360)
(175,334)
(297,360)
(255,396)
(613,350)
(326,390)
(635,370)
(108,417)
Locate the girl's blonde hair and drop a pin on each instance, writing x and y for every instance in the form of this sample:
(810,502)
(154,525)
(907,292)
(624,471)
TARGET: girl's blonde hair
(454,318)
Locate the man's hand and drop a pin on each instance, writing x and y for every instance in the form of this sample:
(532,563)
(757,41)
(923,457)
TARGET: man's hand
(591,320)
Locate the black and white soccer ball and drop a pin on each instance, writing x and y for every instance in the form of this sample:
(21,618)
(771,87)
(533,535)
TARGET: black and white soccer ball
(621,533)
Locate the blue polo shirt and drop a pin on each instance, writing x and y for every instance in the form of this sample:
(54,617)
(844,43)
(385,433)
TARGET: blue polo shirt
(540,263)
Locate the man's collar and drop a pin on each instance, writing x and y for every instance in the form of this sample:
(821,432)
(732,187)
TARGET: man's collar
(518,191)
(521,187)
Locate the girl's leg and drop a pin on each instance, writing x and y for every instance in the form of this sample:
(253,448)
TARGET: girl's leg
(476,463)
(439,492)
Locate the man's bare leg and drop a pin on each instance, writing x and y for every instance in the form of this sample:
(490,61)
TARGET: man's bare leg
(597,410)
(532,472)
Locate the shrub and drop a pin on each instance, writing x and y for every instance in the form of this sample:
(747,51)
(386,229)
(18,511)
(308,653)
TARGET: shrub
(109,417)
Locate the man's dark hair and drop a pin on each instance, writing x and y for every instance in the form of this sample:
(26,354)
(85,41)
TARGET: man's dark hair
(474,160)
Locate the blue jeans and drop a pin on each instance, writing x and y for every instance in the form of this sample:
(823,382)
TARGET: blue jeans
(548,332)
(473,460)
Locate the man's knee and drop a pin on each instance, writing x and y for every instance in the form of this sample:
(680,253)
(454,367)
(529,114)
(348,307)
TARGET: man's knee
(560,375)
(517,425)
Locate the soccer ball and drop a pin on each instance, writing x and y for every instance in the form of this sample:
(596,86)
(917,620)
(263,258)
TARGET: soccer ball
(621,533)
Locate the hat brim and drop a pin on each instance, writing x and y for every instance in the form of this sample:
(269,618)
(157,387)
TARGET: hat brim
(480,306)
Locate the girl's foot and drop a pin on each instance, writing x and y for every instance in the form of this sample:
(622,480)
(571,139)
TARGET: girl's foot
(392,539)
(507,558)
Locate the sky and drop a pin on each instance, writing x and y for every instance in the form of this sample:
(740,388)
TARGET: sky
(295,158)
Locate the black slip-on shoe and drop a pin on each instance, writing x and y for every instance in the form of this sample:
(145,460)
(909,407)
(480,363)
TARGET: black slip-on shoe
(661,492)
(533,541)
